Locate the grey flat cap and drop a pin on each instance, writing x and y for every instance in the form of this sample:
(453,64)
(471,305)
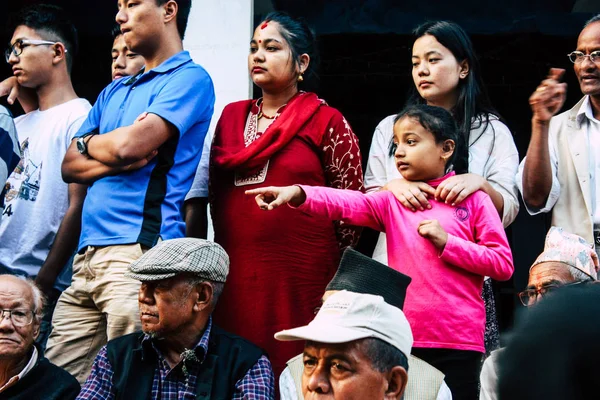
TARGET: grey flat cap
(199,257)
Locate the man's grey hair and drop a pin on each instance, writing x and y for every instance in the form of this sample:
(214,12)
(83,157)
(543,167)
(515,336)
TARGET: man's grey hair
(590,21)
(383,355)
(578,275)
(39,300)
(217,287)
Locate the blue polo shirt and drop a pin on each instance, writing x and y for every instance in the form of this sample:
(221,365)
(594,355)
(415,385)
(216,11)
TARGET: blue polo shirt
(144,205)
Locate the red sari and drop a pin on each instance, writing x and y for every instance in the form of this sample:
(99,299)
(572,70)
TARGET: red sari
(281,260)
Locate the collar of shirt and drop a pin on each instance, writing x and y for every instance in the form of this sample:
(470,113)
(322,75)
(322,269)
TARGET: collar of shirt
(585,111)
(436,182)
(174,62)
(32,361)
(149,346)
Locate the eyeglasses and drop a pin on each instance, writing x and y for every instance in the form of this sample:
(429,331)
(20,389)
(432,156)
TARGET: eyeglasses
(17,47)
(528,297)
(19,317)
(577,57)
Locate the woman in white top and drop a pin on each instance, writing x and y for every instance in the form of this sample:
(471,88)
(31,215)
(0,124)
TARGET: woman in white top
(446,74)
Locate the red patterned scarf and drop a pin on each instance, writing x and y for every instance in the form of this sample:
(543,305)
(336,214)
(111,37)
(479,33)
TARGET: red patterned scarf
(237,156)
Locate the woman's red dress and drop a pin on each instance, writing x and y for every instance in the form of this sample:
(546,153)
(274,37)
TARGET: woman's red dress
(281,260)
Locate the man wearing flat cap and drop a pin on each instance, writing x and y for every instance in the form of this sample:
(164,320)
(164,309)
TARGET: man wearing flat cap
(567,260)
(360,274)
(180,353)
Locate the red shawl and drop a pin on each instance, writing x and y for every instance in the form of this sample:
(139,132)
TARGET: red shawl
(293,118)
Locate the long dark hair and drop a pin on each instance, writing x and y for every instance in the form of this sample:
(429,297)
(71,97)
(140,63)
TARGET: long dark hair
(473,108)
(302,40)
(442,125)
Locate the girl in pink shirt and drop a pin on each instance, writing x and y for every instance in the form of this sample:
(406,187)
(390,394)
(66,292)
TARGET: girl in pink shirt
(447,249)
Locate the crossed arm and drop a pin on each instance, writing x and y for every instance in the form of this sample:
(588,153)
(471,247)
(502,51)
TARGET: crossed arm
(124,149)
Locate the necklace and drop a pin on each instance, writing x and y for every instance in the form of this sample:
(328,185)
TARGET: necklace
(262,114)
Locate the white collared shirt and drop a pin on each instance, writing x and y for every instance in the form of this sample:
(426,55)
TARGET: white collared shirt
(591,127)
(24,371)
(585,116)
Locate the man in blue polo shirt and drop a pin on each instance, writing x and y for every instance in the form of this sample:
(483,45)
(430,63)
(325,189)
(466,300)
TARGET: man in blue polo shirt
(138,150)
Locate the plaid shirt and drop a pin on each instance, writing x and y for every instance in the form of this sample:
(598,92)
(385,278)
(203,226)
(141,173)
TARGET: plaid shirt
(171,383)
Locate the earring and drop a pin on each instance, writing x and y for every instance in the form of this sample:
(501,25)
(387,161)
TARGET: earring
(300,78)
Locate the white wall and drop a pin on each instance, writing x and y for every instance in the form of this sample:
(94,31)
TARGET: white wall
(218,38)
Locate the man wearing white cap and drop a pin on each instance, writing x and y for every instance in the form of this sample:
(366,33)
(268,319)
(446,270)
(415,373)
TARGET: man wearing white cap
(361,274)
(356,348)
(567,260)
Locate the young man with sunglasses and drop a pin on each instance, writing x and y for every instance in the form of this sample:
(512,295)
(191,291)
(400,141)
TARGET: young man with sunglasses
(561,172)
(41,217)
(567,260)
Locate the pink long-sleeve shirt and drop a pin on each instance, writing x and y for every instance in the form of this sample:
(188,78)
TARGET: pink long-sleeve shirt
(443,302)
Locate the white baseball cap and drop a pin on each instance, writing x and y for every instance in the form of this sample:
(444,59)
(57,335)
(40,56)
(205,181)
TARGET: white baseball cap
(348,316)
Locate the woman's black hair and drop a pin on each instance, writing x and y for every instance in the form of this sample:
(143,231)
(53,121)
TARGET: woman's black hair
(442,125)
(473,108)
(302,40)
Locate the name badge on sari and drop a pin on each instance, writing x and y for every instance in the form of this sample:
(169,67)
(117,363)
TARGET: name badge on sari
(252,178)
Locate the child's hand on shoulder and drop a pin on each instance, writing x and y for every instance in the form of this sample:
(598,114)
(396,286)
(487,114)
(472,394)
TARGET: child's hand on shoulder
(431,230)
(271,197)
(458,187)
(412,195)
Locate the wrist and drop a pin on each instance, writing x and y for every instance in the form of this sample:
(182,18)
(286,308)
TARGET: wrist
(486,187)
(82,143)
(441,245)
(298,196)
(540,121)
(88,138)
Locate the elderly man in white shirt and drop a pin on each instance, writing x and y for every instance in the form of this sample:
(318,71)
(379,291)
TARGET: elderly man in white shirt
(360,274)
(561,172)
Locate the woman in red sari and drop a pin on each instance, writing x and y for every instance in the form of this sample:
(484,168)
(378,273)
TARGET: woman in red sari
(282,261)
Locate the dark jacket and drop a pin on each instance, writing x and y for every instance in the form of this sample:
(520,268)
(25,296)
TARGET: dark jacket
(229,358)
(45,381)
